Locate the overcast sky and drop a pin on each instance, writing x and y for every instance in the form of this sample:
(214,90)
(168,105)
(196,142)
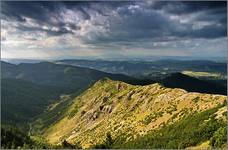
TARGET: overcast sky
(113,29)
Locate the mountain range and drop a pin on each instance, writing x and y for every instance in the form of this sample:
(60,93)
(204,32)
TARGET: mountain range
(148,69)
(63,105)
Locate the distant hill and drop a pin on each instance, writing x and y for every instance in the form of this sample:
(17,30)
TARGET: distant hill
(71,78)
(128,116)
(179,80)
(28,89)
(148,69)
(65,77)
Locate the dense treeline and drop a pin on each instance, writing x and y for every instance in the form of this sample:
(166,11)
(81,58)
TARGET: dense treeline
(23,100)
(13,138)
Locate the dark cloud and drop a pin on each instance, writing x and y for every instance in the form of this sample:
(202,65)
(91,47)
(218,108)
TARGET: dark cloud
(137,23)
(115,24)
(186,7)
(59,31)
(19,10)
(41,12)
(142,23)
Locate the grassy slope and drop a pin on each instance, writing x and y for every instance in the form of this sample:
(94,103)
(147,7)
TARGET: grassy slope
(125,109)
(189,131)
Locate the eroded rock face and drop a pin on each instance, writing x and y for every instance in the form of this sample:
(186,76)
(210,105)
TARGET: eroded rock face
(120,86)
(122,108)
(130,95)
(107,109)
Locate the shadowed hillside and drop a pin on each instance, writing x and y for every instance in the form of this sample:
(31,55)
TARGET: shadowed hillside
(28,89)
(179,80)
(22,100)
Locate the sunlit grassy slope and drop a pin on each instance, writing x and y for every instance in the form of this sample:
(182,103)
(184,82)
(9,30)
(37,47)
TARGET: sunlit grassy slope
(130,113)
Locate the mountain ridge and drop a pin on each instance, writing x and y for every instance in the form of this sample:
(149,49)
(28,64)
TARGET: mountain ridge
(122,108)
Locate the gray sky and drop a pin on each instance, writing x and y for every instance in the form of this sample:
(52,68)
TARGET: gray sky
(113,29)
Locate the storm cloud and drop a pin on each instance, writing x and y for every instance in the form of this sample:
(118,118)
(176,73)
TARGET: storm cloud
(61,29)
